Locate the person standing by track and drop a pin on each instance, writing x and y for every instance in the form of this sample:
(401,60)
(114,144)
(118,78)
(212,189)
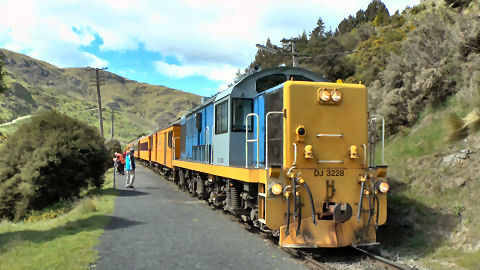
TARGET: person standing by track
(120,162)
(130,168)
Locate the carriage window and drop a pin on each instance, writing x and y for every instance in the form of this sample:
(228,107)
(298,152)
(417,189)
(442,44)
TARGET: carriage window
(221,117)
(170,134)
(269,81)
(143,146)
(240,108)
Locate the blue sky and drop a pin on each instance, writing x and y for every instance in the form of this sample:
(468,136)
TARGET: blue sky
(191,45)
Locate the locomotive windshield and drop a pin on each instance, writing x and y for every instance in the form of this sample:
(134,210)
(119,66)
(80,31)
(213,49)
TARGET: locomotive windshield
(270,81)
(240,108)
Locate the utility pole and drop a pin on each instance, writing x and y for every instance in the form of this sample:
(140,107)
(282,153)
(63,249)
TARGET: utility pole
(275,51)
(98,81)
(294,59)
(112,123)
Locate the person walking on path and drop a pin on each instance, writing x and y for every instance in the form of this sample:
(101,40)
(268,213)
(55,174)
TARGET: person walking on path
(130,168)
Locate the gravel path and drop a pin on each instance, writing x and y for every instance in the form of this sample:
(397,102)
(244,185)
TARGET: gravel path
(158,226)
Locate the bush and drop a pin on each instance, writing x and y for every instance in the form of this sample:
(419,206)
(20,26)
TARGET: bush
(52,157)
(112,147)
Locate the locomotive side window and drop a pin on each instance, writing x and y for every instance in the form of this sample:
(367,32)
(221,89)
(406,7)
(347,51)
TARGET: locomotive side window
(240,108)
(221,117)
(269,81)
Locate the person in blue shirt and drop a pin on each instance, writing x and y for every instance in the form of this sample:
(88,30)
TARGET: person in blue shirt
(130,168)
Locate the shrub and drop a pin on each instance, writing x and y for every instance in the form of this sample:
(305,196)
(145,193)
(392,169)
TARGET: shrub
(52,157)
(112,147)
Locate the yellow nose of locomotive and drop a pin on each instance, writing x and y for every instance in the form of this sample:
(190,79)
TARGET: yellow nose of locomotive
(324,203)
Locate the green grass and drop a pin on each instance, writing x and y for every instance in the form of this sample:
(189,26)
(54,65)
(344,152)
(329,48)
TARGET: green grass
(64,242)
(432,219)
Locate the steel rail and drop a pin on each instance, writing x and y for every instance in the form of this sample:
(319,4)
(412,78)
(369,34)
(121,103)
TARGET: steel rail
(307,257)
(386,262)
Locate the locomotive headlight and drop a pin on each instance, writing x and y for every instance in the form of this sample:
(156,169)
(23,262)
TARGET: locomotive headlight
(383,186)
(336,95)
(323,95)
(301,133)
(277,189)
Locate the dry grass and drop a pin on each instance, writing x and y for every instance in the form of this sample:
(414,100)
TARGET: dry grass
(472,120)
(457,128)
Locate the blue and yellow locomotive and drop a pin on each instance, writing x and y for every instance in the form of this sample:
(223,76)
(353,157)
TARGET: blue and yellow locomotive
(285,150)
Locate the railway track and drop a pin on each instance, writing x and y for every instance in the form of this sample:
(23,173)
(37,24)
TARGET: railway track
(386,263)
(321,258)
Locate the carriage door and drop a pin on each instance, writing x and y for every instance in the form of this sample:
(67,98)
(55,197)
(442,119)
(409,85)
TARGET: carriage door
(165,136)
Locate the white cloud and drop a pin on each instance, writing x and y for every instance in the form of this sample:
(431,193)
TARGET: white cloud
(213,72)
(209,37)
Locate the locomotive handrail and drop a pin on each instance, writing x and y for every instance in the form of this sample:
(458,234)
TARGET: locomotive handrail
(364,154)
(329,161)
(295,155)
(174,148)
(207,136)
(329,135)
(251,140)
(266,135)
(374,117)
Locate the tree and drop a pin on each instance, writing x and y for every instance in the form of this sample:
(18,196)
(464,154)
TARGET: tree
(374,9)
(52,157)
(319,31)
(3,87)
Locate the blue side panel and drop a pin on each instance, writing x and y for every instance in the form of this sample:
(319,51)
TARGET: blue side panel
(191,140)
(259,109)
(183,136)
(195,139)
(209,122)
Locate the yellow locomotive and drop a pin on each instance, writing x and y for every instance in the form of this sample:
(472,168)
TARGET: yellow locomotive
(286,151)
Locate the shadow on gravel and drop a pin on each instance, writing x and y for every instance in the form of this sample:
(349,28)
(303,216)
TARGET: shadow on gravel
(120,223)
(412,228)
(123,192)
(130,193)
(151,188)
(70,228)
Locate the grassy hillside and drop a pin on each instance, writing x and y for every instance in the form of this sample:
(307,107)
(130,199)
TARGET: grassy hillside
(434,201)
(139,108)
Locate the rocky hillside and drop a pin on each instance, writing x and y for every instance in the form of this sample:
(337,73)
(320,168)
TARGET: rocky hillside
(36,85)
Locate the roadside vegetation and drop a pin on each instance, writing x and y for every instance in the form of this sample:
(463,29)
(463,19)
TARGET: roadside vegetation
(62,236)
(54,200)
(51,157)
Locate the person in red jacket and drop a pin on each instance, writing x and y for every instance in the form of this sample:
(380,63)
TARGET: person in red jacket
(120,163)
